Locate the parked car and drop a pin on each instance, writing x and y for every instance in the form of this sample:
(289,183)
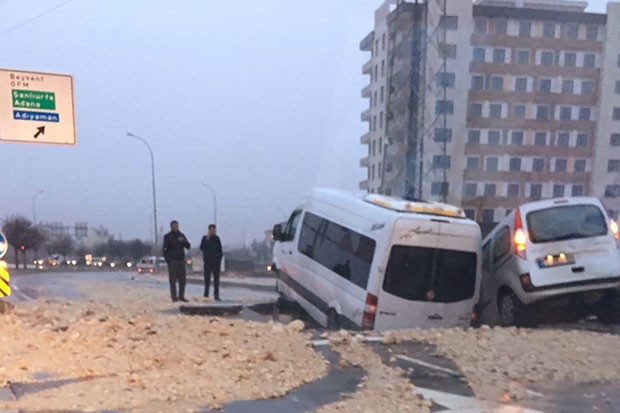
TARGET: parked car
(554,256)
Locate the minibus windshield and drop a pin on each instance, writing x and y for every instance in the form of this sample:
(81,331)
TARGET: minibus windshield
(566,222)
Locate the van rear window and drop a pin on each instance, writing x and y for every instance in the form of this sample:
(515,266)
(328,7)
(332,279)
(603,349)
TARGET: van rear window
(566,222)
(430,274)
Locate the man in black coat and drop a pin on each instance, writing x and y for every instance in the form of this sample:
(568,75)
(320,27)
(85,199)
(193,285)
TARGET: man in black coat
(211,248)
(175,244)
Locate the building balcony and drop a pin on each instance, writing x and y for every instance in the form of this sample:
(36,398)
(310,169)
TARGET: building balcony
(367,42)
(367,91)
(365,139)
(367,68)
(366,115)
(365,162)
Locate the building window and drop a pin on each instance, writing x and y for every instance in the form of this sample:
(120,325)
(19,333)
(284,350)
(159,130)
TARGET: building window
(389,168)
(525,29)
(449,22)
(473,137)
(490,189)
(374,147)
(613,165)
(587,87)
(383,68)
(508,211)
(444,107)
(523,57)
(491,164)
(380,145)
(563,139)
(382,94)
(470,214)
(481,26)
(570,59)
(493,137)
(383,42)
(475,110)
(580,165)
(616,114)
(500,26)
(372,175)
(592,33)
(515,164)
(582,140)
(558,191)
(470,189)
(536,191)
(612,191)
(549,29)
(477,82)
(538,165)
(499,56)
(521,84)
(516,138)
(617,87)
(577,190)
(571,31)
(614,140)
(540,139)
(376,72)
(589,60)
(479,55)
(472,163)
(497,83)
(568,86)
(544,85)
(519,111)
(374,99)
(439,188)
(560,165)
(495,110)
(585,113)
(566,113)
(374,123)
(542,112)
(443,135)
(380,120)
(444,79)
(488,216)
(513,190)
(441,162)
(546,58)
(447,51)
(380,168)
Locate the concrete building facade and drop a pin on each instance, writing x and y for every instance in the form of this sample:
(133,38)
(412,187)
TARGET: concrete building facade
(493,103)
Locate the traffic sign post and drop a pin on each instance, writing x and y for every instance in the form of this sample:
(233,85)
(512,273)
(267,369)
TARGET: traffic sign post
(36,108)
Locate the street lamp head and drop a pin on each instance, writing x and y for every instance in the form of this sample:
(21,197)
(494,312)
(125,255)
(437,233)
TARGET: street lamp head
(131,134)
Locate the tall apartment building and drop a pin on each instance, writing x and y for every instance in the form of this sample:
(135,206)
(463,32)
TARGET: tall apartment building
(492,103)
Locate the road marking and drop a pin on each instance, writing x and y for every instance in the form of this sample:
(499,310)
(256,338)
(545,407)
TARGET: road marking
(429,365)
(463,404)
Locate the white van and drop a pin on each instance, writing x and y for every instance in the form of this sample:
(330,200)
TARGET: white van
(369,262)
(555,256)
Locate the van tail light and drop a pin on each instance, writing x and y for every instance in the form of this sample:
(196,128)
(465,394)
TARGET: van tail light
(526,283)
(613,225)
(370,311)
(520,237)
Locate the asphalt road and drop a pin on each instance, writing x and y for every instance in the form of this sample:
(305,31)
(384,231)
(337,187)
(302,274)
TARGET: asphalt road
(436,378)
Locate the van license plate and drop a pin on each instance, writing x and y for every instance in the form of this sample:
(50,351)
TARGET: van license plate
(556,260)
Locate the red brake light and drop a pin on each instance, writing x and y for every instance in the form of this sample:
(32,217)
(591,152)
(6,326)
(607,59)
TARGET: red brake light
(613,225)
(370,311)
(520,237)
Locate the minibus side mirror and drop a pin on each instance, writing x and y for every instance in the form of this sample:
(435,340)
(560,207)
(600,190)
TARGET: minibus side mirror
(277,232)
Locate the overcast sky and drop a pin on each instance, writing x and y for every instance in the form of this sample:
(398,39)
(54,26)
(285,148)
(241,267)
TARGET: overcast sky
(260,99)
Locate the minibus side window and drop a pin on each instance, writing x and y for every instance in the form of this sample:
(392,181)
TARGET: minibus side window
(338,248)
(486,257)
(502,244)
(291,226)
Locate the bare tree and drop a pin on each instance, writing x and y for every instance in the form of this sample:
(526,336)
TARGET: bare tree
(62,245)
(22,235)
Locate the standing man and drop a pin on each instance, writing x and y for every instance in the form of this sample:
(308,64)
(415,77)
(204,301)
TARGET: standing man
(174,253)
(211,248)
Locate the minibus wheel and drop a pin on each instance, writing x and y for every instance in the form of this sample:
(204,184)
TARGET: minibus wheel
(333,320)
(510,309)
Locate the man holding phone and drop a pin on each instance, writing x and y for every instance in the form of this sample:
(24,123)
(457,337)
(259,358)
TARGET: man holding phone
(175,244)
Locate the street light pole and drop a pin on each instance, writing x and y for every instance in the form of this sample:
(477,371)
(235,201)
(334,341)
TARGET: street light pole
(153,182)
(34,206)
(210,188)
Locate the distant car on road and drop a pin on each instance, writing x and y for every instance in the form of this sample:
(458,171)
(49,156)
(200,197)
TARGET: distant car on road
(150,265)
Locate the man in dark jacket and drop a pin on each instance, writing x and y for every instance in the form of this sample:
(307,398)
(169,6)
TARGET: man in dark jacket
(174,253)
(211,248)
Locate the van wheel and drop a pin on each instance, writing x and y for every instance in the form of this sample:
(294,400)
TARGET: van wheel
(510,309)
(607,310)
(333,320)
